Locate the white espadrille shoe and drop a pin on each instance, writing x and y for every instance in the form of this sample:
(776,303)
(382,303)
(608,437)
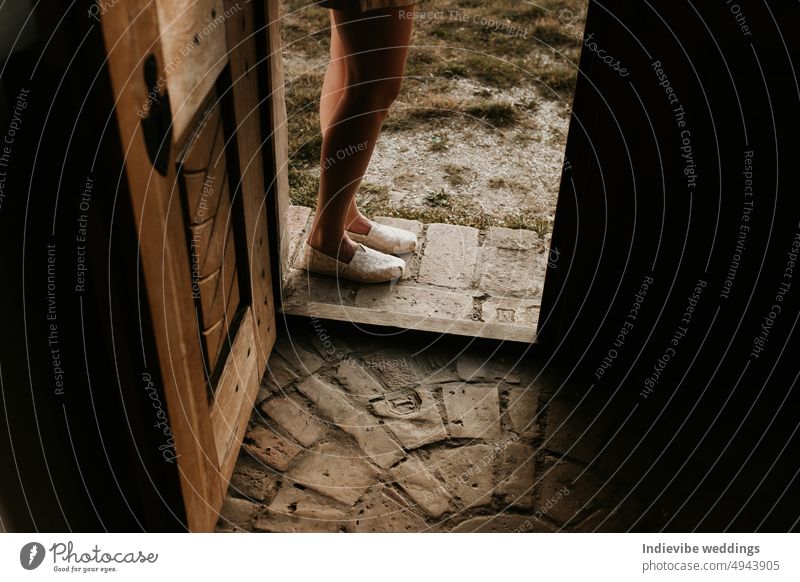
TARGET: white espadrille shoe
(366,266)
(386,239)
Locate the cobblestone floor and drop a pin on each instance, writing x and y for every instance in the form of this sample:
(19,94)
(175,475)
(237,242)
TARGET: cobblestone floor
(360,431)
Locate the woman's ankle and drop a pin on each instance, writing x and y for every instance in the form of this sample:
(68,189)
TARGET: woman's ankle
(342,250)
(359,225)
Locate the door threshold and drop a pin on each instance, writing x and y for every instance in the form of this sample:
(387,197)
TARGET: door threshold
(460,281)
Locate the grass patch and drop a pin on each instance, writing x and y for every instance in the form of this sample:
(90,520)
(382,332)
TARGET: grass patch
(439,143)
(308,153)
(440,206)
(437,198)
(453,71)
(495,114)
(560,80)
(528,221)
(429,111)
(303,187)
(455,175)
(494,71)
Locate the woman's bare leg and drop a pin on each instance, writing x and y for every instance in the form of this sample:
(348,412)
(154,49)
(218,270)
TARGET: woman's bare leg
(374,47)
(332,91)
(334,83)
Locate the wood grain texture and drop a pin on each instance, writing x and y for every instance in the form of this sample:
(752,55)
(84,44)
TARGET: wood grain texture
(203,143)
(207,437)
(203,192)
(213,336)
(279,142)
(131,32)
(247,114)
(209,239)
(216,335)
(233,402)
(216,292)
(192,34)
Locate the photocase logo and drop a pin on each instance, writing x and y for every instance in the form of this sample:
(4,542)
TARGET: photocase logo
(31,555)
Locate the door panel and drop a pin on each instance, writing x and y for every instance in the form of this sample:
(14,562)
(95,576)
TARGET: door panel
(247,101)
(233,399)
(204,147)
(192,35)
(201,219)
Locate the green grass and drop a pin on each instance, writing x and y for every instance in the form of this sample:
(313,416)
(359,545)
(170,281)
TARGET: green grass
(303,187)
(437,198)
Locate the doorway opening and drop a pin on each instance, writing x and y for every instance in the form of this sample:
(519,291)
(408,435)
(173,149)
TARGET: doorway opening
(470,159)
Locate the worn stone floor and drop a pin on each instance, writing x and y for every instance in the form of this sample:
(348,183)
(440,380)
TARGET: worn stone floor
(460,280)
(363,430)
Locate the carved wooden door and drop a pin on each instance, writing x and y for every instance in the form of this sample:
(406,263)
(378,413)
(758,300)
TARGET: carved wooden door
(189,109)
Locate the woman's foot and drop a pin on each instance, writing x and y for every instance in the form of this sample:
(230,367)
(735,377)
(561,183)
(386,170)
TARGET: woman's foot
(384,238)
(365,266)
(341,250)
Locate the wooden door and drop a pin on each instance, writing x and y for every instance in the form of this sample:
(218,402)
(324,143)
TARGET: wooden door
(188,106)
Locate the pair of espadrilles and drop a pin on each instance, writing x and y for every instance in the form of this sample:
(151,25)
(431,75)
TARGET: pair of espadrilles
(373,261)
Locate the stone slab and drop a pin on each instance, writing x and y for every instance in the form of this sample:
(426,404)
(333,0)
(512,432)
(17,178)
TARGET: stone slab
(512,273)
(502,524)
(450,256)
(301,357)
(394,368)
(336,471)
(436,367)
(523,406)
(296,418)
(380,512)
(513,239)
(515,474)
(358,380)
(252,480)
(467,472)
(274,522)
(418,301)
(362,426)
(270,448)
(511,311)
(422,486)
(279,373)
(304,288)
(291,500)
(486,366)
(473,410)
(412,416)
(237,514)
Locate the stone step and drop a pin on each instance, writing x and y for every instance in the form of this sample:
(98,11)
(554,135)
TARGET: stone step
(459,280)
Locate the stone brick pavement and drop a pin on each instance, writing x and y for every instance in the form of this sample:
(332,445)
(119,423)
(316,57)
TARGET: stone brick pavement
(360,432)
(460,280)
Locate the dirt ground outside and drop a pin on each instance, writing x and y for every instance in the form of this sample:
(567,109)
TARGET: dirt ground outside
(477,135)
